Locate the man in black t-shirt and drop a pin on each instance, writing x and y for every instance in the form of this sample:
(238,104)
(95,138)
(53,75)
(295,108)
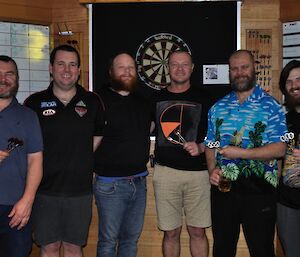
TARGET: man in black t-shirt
(288,208)
(71,120)
(120,162)
(180,178)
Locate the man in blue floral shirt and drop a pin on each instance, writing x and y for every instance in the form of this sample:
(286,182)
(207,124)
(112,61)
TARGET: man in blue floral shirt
(248,124)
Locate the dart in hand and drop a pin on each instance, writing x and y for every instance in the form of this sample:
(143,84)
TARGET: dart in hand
(13,143)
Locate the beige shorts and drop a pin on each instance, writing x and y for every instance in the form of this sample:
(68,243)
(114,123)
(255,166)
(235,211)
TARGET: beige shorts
(181,192)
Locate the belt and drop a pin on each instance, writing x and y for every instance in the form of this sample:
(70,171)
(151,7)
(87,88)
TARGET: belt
(113,179)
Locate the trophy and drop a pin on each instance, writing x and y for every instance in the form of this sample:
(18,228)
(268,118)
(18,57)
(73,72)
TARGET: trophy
(13,143)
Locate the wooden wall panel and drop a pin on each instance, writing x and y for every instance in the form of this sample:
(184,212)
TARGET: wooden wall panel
(289,10)
(257,14)
(75,16)
(37,12)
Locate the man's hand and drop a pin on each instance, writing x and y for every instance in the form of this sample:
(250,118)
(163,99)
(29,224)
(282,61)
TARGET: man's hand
(214,176)
(3,155)
(193,148)
(20,214)
(296,154)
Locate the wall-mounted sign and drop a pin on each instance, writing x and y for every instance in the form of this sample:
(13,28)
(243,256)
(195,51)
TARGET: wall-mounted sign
(291,41)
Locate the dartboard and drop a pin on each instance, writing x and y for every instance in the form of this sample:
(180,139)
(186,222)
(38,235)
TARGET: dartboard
(152,58)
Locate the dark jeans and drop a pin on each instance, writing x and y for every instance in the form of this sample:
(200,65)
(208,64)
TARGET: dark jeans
(13,242)
(257,215)
(121,208)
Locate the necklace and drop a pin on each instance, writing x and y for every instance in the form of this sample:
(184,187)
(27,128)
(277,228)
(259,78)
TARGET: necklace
(64,100)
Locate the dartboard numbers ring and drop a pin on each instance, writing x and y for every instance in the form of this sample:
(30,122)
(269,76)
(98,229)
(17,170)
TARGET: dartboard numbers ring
(152,58)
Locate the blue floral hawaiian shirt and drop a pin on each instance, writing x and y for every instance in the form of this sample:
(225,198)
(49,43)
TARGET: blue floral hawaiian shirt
(258,121)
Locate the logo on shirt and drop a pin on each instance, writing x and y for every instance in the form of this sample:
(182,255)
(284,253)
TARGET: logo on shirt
(80,108)
(48,104)
(49,112)
(178,122)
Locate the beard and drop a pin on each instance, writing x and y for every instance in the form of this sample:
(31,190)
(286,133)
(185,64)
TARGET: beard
(11,92)
(249,83)
(291,101)
(118,84)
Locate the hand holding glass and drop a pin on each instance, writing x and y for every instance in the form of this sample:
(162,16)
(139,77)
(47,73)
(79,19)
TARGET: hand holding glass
(224,183)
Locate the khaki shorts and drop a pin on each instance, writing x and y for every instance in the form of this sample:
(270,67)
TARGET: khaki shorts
(179,192)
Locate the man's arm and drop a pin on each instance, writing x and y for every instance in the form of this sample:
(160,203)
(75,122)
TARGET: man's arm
(152,126)
(22,209)
(96,142)
(280,167)
(214,171)
(263,153)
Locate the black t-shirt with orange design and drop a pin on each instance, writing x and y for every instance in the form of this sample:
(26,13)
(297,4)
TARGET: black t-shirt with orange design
(180,117)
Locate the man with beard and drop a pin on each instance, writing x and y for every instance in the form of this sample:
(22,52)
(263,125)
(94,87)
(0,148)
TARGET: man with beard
(120,162)
(71,119)
(248,124)
(20,164)
(181,181)
(288,208)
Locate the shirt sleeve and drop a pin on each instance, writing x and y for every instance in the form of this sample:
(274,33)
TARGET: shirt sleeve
(34,134)
(210,135)
(100,116)
(277,123)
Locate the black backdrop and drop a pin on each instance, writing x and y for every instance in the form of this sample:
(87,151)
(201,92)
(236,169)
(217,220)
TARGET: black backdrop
(208,28)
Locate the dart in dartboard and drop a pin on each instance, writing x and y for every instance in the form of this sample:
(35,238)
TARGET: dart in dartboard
(13,143)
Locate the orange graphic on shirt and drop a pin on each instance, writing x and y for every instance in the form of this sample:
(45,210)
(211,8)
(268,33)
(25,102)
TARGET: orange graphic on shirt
(169,127)
(173,127)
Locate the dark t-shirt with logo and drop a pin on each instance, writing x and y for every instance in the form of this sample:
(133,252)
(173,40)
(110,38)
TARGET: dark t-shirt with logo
(180,117)
(68,140)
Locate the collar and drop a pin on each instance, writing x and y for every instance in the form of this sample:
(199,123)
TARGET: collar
(12,104)
(256,95)
(79,91)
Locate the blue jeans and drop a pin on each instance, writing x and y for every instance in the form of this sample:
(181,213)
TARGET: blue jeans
(13,242)
(121,208)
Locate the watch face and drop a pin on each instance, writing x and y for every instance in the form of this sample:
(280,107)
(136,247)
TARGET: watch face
(152,58)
